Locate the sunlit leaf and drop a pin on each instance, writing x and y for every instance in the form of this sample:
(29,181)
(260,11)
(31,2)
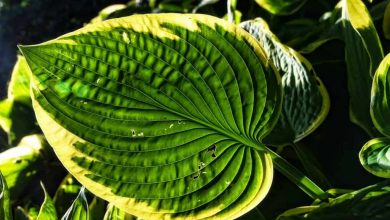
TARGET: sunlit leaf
(371,202)
(306,101)
(281,7)
(163,115)
(20,164)
(79,208)
(113,213)
(47,210)
(375,157)
(19,86)
(379,97)
(363,53)
(5,204)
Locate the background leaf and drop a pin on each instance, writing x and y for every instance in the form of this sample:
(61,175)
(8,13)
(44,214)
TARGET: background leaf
(155,112)
(79,208)
(306,101)
(47,210)
(375,157)
(363,53)
(281,7)
(5,204)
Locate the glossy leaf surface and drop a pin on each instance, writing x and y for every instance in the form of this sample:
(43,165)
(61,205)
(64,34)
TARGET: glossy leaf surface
(363,53)
(306,101)
(5,204)
(79,208)
(380,109)
(162,115)
(375,157)
(47,210)
(281,7)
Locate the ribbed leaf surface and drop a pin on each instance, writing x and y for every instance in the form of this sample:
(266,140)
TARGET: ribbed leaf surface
(306,101)
(162,115)
(375,157)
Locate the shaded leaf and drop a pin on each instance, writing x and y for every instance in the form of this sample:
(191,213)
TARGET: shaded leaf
(107,11)
(371,202)
(386,22)
(204,3)
(375,157)
(363,53)
(281,7)
(380,109)
(47,210)
(79,208)
(65,194)
(97,208)
(162,115)
(306,101)
(5,204)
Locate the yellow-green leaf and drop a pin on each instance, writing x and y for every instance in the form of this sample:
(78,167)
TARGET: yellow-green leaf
(162,115)
(375,157)
(47,210)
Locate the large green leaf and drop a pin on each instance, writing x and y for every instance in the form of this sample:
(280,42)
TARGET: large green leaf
(47,210)
(21,164)
(371,202)
(375,157)
(380,107)
(306,101)
(5,204)
(79,208)
(162,115)
(281,7)
(363,53)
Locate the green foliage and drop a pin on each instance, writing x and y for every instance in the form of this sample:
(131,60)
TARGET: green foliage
(5,204)
(201,109)
(47,210)
(368,203)
(170,116)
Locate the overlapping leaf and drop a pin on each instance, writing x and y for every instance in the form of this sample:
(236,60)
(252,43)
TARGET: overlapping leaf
(306,101)
(375,157)
(162,115)
(363,53)
(371,202)
(79,208)
(380,108)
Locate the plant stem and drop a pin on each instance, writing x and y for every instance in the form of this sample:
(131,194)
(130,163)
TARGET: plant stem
(297,177)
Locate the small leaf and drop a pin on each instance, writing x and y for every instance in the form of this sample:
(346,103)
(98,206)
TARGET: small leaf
(204,3)
(162,114)
(79,208)
(281,7)
(5,204)
(306,101)
(371,202)
(363,53)
(105,12)
(380,109)
(65,194)
(97,208)
(22,163)
(375,157)
(47,210)
(114,213)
